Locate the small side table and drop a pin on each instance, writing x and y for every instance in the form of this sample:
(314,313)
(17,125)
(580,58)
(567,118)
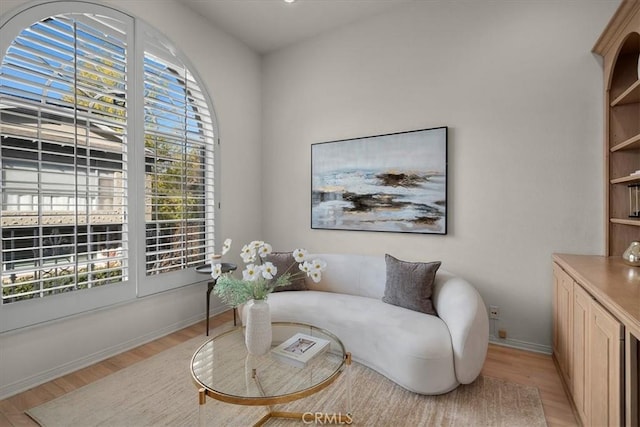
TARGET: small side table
(206,269)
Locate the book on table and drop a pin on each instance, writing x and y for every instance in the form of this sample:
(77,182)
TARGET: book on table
(300,349)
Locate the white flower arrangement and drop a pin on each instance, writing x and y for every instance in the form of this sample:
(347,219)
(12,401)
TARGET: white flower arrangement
(258,275)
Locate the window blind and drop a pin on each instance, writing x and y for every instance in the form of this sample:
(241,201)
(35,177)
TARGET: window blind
(178,138)
(63,111)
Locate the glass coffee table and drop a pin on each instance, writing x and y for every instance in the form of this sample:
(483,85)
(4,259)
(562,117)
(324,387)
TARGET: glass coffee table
(223,370)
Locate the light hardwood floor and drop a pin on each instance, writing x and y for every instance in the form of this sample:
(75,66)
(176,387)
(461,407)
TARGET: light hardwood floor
(514,365)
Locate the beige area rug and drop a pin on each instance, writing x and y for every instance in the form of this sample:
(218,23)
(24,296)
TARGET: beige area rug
(159,392)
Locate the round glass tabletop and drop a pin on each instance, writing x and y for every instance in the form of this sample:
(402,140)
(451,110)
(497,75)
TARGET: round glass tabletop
(227,372)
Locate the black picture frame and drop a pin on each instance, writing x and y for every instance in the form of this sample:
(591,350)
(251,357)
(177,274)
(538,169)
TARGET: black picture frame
(396,182)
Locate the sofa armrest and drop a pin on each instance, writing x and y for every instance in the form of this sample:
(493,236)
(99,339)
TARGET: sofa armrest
(461,307)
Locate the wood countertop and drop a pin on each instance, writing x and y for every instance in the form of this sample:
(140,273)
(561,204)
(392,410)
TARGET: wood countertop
(610,281)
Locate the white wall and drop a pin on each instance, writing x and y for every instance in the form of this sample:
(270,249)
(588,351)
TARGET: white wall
(231,73)
(521,93)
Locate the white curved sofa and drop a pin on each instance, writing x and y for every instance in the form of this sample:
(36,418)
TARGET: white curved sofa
(423,353)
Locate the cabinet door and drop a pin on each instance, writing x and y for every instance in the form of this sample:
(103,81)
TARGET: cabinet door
(581,303)
(563,319)
(604,374)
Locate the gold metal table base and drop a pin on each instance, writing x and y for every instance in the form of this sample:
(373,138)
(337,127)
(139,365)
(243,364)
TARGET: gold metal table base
(306,417)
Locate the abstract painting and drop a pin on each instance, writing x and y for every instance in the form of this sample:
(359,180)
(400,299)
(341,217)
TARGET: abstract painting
(395,182)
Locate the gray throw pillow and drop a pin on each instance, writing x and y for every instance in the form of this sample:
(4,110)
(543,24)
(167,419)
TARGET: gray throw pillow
(410,284)
(282,261)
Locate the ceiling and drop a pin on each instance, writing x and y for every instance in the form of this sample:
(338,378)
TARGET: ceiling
(268,25)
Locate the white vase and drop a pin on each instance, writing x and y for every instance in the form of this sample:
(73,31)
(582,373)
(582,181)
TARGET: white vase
(257,336)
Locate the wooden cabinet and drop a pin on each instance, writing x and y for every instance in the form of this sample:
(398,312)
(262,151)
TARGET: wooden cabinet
(562,321)
(604,369)
(588,351)
(581,304)
(596,300)
(602,372)
(619,45)
(587,348)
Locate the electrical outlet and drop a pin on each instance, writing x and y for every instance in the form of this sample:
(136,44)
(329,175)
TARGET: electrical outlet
(494,312)
(502,333)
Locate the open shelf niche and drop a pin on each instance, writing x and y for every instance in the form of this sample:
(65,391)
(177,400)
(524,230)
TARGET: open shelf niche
(622,143)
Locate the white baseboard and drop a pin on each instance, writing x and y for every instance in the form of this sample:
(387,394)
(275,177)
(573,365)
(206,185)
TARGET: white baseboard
(520,345)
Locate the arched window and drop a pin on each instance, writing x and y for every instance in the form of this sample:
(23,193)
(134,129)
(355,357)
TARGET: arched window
(106,158)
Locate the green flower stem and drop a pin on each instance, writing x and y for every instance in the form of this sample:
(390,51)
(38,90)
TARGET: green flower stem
(235,292)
